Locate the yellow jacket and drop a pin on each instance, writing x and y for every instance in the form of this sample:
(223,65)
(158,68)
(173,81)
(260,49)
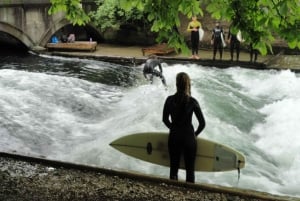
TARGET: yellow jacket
(194,24)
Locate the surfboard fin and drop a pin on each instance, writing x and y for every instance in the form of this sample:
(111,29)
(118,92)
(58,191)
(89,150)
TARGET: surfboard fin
(149,148)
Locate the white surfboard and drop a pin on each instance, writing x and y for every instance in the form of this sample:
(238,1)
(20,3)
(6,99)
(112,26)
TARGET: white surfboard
(223,40)
(239,36)
(201,34)
(153,147)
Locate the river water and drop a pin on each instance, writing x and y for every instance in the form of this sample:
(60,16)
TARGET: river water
(71,109)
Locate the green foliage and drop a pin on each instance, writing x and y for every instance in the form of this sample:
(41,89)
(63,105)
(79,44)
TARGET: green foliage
(164,17)
(110,15)
(259,20)
(73,10)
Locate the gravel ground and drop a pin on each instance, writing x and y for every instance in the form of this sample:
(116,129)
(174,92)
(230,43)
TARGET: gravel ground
(25,180)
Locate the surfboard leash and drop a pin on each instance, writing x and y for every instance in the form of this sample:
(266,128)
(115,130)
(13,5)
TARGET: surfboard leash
(239,170)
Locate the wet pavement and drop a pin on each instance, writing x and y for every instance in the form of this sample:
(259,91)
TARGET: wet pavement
(134,55)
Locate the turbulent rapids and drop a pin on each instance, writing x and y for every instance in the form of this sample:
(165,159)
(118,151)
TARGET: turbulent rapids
(70,109)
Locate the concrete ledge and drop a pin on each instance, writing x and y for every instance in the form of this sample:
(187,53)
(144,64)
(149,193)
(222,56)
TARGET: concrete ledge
(168,60)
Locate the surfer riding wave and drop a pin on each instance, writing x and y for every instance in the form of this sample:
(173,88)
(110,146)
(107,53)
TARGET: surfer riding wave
(151,71)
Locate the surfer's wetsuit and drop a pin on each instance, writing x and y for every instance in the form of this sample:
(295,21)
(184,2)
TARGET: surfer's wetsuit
(149,68)
(182,138)
(217,41)
(253,53)
(194,35)
(234,44)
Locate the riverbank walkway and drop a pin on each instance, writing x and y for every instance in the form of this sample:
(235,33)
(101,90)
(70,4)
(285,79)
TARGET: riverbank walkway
(134,54)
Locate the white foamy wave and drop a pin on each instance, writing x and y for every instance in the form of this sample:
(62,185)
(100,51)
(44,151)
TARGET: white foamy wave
(271,84)
(280,129)
(62,58)
(279,137)
(45,113)
(278,134)
(74,120)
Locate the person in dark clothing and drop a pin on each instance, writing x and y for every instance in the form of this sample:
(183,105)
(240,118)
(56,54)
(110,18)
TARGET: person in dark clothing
(64,38)
(177,116)
(253,53)
(234,44)
(216,40)
(149,69)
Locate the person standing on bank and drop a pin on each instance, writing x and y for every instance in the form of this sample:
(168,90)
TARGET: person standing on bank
(149,69)
(194,27)
(234,44)
(216,40)
(253,53)
(71,38)
(177,116)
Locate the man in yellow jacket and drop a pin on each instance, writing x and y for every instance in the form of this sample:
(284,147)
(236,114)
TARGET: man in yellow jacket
(194,27)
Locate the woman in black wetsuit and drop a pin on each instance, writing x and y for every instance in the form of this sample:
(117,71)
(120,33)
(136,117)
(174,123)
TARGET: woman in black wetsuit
(182,138)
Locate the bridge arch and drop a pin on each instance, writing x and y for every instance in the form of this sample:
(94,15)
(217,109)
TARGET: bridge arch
(17,34)
(52,30)
(58,26)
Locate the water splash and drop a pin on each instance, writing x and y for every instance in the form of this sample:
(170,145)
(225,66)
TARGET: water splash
(72,116)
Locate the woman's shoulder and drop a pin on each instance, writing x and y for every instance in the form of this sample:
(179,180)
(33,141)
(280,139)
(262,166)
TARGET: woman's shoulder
(171,97)
(194,100)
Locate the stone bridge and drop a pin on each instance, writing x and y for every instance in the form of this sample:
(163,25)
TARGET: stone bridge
(27,24)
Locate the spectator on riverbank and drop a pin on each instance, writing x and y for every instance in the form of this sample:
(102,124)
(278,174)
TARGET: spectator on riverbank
(194,27)
(71,38)
(64,38)
(234,44)
(54,39)
(253,53)
(216,40)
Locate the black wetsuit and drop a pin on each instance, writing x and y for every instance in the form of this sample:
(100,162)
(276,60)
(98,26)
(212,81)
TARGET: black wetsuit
(195,40)
(149,68)
(253,53)
(182,137)
(234,44)
(217,41)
